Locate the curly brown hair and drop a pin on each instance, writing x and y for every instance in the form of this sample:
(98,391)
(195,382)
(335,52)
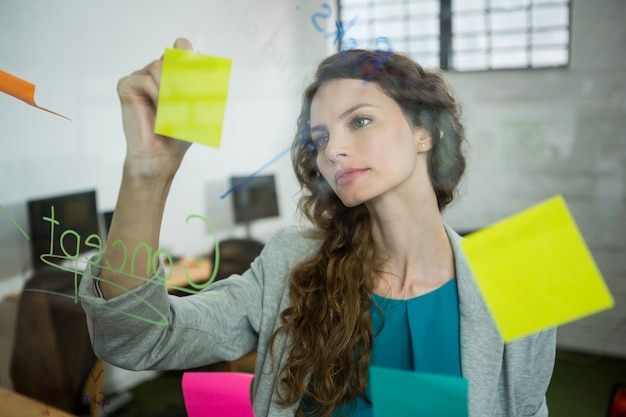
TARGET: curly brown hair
(329,319)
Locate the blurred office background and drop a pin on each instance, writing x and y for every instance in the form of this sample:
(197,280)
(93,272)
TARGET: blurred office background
(542,84)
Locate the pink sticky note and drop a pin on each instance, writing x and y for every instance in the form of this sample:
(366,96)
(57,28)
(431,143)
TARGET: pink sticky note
(217,394)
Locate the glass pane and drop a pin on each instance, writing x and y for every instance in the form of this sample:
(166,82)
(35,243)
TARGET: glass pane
(509,59)
(378,43)
(550,16)
(509,40)
(430,7)
(389,29)
(461,43)
(486,33)
(426,60)
(508,20)
(358,31)
(549,57)
(552,37)
(431,61)
(535,2)
(464,5)
(384,10)
(468,23)
(425,46)
(398,45)
(424,27)
(509,4)
(350,3)
(361,13)
(348,8)
(470,61)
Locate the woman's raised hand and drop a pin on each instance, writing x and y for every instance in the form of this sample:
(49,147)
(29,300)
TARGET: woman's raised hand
(151,163)
(148,154)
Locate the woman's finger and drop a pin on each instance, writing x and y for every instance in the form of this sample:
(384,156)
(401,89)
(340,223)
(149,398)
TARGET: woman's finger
(183,43)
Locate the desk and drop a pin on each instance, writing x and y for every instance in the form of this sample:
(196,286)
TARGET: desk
(14,404)
(199,271)
(14,298)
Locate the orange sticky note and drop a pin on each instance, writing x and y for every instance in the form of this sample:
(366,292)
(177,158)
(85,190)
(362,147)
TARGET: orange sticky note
(192,96)
(21,90)
(535,270)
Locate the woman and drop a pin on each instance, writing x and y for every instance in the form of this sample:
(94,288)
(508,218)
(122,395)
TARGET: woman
(379,279)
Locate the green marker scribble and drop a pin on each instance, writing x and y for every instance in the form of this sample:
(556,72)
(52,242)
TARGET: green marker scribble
(74,269)
(157,281)
(46,258)
(155,265)
(106,261)
(217,254)
(164,322)
(14,222)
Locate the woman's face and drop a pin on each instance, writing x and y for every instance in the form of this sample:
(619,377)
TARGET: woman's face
(366,147)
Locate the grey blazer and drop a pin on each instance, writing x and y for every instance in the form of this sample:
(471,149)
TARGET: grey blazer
(504,380)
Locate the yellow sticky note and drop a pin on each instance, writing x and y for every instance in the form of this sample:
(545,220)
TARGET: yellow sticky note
(535,270)
(192,96)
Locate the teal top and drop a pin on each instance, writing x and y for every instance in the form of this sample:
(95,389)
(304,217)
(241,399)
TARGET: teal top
(420,334)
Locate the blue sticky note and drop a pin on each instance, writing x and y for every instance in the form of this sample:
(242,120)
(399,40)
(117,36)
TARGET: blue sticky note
(400,393)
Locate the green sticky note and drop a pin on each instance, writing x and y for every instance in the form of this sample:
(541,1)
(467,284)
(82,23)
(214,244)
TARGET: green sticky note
(192,96)
(535,270)
(400,393)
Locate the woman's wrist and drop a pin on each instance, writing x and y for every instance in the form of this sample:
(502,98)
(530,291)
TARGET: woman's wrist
(151,170)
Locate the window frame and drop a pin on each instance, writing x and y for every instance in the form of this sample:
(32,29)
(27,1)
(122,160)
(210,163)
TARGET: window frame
(446,52)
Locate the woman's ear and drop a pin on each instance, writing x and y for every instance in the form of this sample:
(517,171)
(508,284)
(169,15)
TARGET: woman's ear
(423,140)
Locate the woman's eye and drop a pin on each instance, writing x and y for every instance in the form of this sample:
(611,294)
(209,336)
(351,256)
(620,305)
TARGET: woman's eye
(321,141)
(360,122)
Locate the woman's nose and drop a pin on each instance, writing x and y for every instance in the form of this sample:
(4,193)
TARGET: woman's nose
(338,147)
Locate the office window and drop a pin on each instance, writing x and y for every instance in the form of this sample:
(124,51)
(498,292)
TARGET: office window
(465,35)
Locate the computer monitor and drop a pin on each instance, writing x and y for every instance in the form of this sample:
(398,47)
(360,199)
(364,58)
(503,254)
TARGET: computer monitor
(254,198)
(108,219)
(77,212)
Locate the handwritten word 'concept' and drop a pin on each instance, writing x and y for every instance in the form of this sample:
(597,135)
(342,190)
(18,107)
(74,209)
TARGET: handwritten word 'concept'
(71,253)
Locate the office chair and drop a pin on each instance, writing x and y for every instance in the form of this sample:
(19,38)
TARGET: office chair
(52,355)
(236,255)
(617,403)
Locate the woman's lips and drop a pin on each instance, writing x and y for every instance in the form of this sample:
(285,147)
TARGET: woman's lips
(347,175)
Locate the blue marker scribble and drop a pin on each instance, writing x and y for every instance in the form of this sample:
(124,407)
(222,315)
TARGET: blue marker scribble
(304,137)
(318,15)
(341,31)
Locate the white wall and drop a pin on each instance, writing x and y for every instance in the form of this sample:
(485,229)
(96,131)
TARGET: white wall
(536,133)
